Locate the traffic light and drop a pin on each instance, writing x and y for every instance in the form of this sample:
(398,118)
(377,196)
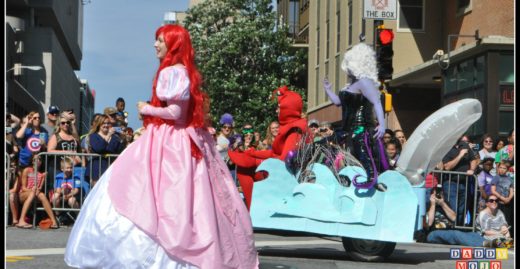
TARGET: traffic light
(384,51)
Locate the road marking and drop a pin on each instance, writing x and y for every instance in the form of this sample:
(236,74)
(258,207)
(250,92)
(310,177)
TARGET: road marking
(15,254)
(16,258)
(61,251)
(294,243)
(35,252)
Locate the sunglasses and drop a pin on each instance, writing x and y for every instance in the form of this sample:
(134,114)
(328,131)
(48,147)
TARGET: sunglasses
(488,141)
(35,118)
(65,122)
(313,126)
(322,130)
(492,200)
(227,127)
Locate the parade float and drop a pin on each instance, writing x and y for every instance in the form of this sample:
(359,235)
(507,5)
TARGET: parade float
(320,199)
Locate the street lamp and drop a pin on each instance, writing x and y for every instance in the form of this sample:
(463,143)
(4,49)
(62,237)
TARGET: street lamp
(19,67)
(30,67)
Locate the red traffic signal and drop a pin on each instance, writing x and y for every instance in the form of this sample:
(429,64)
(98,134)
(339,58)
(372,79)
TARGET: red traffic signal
(384,53)
(386,36)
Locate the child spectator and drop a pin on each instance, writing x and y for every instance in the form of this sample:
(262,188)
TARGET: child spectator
(121,113)
(393,149)
(484,181)
(507,153)
(500,143)
(31,186)
(14,188)
(502,186)
(389,135)
(67,186)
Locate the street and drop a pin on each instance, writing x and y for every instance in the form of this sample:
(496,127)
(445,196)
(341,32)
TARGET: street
(35,248)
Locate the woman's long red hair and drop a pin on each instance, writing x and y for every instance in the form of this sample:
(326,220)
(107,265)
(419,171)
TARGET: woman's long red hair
(180,51)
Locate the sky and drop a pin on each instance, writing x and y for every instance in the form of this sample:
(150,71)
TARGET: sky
(118,55)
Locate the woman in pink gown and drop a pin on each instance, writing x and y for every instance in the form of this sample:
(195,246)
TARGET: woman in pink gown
(168,201)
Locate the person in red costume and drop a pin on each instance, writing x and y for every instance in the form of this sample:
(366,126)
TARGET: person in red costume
(292,128)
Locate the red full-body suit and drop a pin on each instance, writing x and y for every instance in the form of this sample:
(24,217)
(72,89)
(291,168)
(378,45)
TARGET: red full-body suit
(292,127)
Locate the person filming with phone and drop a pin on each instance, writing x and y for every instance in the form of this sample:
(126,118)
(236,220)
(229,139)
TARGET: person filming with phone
(440,220)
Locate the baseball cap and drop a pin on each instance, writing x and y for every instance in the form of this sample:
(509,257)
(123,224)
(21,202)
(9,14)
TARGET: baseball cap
(54,110)
(313,121)
(109,111)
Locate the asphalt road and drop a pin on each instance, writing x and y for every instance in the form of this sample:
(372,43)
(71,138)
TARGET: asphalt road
(35,248)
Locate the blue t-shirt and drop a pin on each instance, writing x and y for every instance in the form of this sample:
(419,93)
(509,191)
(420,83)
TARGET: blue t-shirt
(67,184)
(31,143)
(503,183)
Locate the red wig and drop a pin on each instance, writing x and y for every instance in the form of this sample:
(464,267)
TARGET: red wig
(180,51)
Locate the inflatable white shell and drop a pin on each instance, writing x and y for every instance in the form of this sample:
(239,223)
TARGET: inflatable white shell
(434,137)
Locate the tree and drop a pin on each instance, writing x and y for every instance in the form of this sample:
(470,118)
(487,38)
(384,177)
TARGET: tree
(243,58)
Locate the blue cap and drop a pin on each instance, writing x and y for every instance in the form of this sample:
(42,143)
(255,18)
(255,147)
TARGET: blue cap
(54,110)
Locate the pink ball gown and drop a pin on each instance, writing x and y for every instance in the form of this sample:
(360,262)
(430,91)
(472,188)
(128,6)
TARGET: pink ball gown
(159,207)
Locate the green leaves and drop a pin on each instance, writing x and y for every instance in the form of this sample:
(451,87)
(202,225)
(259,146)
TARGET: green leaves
(243,58)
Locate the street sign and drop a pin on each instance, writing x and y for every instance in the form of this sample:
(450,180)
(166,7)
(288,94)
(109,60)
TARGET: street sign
(380,9)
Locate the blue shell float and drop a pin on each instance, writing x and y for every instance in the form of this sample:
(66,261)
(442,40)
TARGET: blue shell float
(329,208)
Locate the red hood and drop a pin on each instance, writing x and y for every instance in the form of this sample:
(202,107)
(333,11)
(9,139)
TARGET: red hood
(291,105)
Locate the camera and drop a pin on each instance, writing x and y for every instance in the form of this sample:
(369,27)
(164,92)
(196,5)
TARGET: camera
(118,129)
(438,191)
(463,145)
(476,147)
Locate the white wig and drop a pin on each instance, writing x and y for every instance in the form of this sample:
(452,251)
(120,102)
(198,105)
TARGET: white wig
(360,61)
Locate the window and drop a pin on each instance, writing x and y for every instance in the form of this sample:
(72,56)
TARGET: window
(506,119)
(411,15)
(465,77)
(338,24)
(450,83)
(327,69)
(317,97)
(350,22)
(336,75)
(480,70)
(506,68)
(463,3)
(293,17)
(463,7)
(327,45)
(318,33)
(318,46)
(327,17)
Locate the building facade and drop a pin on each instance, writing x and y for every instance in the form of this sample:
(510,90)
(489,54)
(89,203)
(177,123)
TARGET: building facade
(476,58)
(48,35)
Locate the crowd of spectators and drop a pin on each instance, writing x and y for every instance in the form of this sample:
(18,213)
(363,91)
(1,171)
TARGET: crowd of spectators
(488,168)
(51,162)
